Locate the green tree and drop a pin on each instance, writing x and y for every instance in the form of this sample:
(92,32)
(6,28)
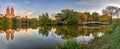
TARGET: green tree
(68,16)
(15,22)
(45,20)
(96,16)
(1,23)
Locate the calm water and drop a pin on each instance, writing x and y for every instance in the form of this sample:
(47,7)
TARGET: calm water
(46,37)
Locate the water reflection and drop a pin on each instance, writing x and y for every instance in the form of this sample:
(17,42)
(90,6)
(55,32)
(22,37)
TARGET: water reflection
(39,37)
(9,34)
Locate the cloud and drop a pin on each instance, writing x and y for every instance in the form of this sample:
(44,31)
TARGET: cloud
(96,5)
(24,13)
(29,13)
(88,3)
(13,4)
(26,2)
(96,2)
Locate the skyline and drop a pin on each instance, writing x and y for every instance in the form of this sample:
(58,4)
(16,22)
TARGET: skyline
(35,8)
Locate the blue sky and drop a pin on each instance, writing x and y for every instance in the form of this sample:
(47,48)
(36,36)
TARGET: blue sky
(36,7)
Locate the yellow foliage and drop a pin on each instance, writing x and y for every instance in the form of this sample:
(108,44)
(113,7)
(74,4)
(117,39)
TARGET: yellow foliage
(104,18)
(84,17)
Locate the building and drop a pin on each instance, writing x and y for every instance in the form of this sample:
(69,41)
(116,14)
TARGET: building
(10,12)
(1,15)
(18,17)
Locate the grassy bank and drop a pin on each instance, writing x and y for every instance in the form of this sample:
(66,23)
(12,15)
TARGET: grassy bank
(108,41)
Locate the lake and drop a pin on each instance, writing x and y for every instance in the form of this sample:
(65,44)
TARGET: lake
(47,37)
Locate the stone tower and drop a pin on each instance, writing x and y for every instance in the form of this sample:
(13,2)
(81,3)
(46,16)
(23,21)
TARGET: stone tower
(12,11)
(8,11)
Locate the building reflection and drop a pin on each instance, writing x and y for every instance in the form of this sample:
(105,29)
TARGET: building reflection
(9,34)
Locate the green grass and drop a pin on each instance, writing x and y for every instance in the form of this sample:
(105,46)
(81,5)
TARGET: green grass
(71,44)
(111,40)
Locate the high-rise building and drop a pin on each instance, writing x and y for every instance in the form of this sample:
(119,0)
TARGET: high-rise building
(10,12)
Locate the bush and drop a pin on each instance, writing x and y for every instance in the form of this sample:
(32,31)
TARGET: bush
(108,31)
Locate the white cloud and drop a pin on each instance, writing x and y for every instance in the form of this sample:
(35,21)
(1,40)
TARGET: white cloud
(13,4)
(96,5)
(96,2)
(88,3)
(24,13)
(29,13)
(26,2)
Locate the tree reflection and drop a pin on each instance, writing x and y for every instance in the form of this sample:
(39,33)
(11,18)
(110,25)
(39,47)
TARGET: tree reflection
(70,32)
(65,32)
(44,30)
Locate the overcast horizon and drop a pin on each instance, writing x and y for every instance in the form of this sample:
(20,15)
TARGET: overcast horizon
(37,7)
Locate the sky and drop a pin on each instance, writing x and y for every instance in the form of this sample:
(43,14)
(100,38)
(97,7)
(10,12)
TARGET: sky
(34,8)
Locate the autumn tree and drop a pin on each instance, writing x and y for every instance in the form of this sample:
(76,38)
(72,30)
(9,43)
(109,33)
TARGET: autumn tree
(104,18)
(83,17)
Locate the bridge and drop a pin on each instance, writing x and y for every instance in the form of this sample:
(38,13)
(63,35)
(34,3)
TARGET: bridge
(93,22)
(97,27)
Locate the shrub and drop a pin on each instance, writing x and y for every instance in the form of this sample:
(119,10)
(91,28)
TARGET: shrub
(108,31)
